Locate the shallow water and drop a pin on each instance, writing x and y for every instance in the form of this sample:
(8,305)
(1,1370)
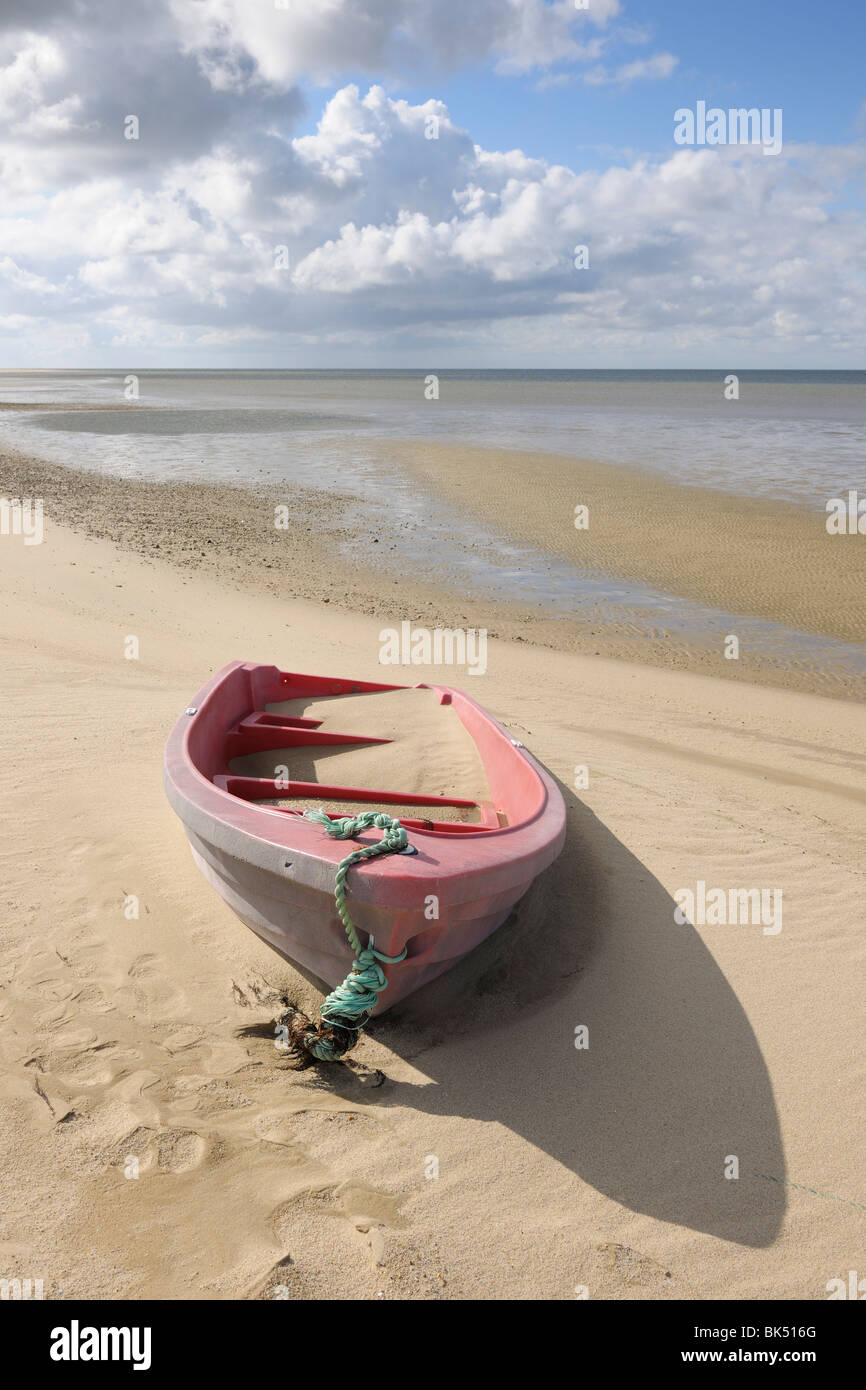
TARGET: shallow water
(794,436)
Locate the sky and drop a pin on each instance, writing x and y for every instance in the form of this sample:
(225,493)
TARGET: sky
(327,183)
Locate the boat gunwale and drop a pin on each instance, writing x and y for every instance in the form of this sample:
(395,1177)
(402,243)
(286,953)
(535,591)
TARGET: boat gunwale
(241,816)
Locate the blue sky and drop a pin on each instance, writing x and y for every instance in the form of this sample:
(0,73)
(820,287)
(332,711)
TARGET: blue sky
(806,57)
(281,203)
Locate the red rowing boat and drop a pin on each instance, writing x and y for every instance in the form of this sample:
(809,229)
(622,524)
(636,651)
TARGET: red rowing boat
(473,860)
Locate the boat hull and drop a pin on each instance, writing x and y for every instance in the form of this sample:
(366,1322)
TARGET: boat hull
(276,871)
(305,930)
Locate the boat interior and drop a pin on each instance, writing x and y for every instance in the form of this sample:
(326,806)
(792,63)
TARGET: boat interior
(359,747)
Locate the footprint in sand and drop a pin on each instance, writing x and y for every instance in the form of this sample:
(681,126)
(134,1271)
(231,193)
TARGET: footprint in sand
(93,1068)
(366,1206)
(92,997)
(152,991)
(54,988)
(371,1213)
(352,1207)
(632,1266)
(52,1016)
(324,1254)
(182,1038)
(79,1057)
(255,992)
(142,967)
(166,1150)
(78,948)
(345,1236)
(139,1144)
(218,1096)
(179,1150)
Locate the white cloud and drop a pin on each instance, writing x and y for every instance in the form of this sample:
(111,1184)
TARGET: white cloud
(25,73)
(394,238)
(654,68)
(323,38)
(24,279)
(388,230)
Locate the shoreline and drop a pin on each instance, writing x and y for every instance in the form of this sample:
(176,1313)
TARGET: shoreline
(662,536)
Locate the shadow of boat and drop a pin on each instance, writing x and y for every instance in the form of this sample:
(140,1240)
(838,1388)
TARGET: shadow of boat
(673,1081)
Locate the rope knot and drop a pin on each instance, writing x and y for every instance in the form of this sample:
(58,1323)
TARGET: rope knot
(347,1008)
(348,827)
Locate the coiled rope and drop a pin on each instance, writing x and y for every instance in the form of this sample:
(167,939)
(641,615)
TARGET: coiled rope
(348,1007)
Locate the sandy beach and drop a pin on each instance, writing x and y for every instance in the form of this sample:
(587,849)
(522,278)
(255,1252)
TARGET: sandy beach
(562,1172)
(753,560)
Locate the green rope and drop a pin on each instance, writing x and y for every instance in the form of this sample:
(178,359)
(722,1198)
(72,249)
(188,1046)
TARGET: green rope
(349,1006)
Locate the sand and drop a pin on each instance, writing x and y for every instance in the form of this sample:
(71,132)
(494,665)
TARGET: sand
(767,558)
(773,561)
(496,1160)
(429,752)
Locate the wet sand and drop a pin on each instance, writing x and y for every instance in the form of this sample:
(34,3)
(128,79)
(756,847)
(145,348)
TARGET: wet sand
(773,562)
(770,559)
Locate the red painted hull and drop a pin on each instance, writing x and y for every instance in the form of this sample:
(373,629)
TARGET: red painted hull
(276,870)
